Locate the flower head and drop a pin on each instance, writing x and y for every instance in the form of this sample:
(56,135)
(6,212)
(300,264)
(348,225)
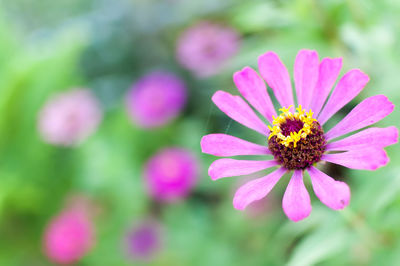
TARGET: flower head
(205,47)
(144,240)
(296,138)
(171,174)
(69,117)
(69,236)
(155,99)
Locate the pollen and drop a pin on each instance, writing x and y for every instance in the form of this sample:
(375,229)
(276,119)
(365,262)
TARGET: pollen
(291,127)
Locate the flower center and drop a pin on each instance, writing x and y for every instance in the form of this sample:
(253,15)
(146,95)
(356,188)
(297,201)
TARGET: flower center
(291,126)
(296,140)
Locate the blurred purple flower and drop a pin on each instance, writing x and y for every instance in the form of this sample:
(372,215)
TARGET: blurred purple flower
(144,240)
(205,47)
(69,117)
(155,99)
(171,174)
(69,236)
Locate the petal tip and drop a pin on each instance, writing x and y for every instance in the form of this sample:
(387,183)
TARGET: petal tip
(344,201)
(298,216)
(388,102)
(211,173)
(238,73)
(238,205)
(337,62)
(358,74)
(395,134)
(364,75)
(244,73)
(308,51)
(217,95)
(384,160)
(246,69)
(267,55)
(204,144)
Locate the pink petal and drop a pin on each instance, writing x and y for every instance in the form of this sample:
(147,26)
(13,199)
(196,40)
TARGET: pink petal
(253,88)
(226,145)
(366,159)
(348,87)
(366,113)
(306,68)
(276,75)
(329,70)
(376,137)
(332,193)
(296,201)
(237,109)
(256,189)
(231,167)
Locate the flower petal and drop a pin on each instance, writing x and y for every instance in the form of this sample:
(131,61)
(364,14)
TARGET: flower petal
(253,88)
(277,76)
(226,145)
(366,113)
(366,159)
(237,109)
(296,201)
(256,189)
(332,193)
(376,137)
(348,87)
(329,70)
(305,76)
(231,167)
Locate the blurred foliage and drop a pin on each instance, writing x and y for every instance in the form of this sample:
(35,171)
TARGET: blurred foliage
(48,46)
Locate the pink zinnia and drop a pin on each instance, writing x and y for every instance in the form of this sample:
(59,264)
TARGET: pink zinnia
(69,236)
(171,174)
(69,117)
(144,240)
(205,47)
(156,99)
(296,140)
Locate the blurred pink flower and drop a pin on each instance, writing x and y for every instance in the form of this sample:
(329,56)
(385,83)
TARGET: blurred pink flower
(155,99)
(144,240)
(171,174)
(205,47)
(69,236)
(69,117)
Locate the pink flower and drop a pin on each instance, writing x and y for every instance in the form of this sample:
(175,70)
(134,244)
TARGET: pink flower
(69,117)
(171,174)
(68,237)
(296,140)
(144,240)
(205,47)
(156,99)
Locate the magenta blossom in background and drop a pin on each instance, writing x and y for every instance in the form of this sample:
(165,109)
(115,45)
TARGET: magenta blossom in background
(69,236)
(155,99)
(144,240)
(171,174)
(205,47)
(69,117)
(296,139)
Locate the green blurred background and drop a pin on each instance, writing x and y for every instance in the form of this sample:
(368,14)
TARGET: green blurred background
(106,45)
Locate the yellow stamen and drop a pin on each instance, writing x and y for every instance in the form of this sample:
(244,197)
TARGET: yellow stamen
(285,110)
(294,137)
